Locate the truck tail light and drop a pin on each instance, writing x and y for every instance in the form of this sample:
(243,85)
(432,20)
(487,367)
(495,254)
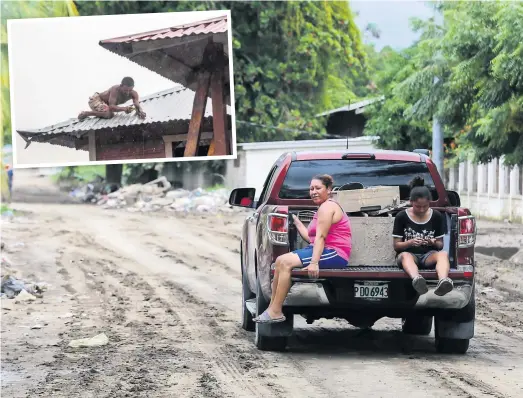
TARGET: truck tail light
(278,228)
(467,231)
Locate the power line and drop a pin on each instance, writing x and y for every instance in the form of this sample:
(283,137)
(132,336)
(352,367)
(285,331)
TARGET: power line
(280,128)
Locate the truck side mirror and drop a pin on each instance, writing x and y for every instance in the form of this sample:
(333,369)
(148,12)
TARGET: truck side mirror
(242,197)
(454,198)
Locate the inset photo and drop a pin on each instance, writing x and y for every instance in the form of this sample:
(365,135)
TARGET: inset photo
(122,89)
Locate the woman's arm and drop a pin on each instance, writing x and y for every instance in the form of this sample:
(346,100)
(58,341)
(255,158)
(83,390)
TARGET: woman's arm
(325,214)
(302,230)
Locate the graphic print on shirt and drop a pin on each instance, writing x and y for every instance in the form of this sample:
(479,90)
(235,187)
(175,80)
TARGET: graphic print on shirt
(406,229)
(409,233)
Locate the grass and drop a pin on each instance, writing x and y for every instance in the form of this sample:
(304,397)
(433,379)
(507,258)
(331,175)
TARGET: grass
(215,187)
(5,208)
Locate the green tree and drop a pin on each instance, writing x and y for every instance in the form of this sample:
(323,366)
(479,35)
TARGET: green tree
(477,56)
(291,60)
(17,10)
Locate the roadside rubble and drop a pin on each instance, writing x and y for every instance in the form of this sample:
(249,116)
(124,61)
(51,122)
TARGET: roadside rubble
(13,287)
(157,195)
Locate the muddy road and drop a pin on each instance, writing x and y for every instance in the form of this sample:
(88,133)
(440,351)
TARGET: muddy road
(166,292)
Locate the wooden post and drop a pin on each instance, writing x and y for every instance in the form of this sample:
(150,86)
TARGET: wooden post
(92,145)
(219,141)
(198,111)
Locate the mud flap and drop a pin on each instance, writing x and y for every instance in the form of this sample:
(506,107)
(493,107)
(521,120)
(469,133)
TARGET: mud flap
(453,330)
(281,329)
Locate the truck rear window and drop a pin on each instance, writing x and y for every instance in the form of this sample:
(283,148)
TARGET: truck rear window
(369,172)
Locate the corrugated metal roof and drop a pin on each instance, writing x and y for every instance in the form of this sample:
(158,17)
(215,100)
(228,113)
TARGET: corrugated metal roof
(351,107)
(176,53)
(214,25)
(165,106)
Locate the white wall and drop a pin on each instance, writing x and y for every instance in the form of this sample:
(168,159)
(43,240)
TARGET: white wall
(489,190)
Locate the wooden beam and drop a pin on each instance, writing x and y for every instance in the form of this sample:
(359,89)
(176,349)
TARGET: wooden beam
(141,47)
(92,145)
(219,143)
(204,135)
(198,111)
(211,150)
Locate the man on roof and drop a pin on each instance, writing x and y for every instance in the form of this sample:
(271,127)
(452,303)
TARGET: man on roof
(105,104)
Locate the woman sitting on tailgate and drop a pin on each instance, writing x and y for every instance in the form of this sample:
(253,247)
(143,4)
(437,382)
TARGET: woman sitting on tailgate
(330,241)
(418,240)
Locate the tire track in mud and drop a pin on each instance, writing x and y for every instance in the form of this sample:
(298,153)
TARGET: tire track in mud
(261,384)
(480,352)
(464,384)
(117,367)
(227,369)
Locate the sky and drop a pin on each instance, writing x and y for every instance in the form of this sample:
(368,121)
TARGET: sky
(56,64)
(392,18)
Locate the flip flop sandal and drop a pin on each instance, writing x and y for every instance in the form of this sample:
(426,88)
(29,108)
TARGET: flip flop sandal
(266,318)
(444,286)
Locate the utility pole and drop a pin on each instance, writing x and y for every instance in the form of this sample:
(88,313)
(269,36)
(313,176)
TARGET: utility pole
(437,142)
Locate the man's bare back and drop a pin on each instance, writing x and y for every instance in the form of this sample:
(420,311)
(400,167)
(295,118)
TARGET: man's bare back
(105,104)
(121,97)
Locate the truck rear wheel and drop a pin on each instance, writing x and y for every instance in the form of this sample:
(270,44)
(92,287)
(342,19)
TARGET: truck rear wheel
(417,324)
(266,343)
(452,346)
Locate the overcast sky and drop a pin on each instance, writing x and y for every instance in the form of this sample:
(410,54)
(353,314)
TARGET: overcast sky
(392,18)
(56,64)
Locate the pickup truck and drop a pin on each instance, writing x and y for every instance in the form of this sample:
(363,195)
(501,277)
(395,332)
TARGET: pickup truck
(373,286)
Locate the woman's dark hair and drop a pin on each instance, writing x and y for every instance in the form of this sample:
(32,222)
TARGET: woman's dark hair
(418,190)
(325,179)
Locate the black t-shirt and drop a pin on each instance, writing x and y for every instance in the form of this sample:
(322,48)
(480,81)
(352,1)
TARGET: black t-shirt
(406,228)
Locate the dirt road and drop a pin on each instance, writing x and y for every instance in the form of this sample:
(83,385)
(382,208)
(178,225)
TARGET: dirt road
(166,292)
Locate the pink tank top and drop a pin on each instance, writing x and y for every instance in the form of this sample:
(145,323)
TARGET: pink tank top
(339,236)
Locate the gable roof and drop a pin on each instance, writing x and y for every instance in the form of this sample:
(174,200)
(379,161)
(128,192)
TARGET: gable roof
(172,105)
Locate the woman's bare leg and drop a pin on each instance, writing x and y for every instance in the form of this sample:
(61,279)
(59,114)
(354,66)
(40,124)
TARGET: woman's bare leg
(284,265)
(409,264)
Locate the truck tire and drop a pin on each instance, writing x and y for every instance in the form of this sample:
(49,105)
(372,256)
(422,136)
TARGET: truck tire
(247,322)
(452,346)
(266,343)
(417,324)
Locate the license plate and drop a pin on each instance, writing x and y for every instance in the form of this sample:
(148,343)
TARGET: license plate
(371,290)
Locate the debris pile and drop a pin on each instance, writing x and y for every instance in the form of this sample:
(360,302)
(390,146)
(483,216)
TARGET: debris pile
(12,287)
(157,195)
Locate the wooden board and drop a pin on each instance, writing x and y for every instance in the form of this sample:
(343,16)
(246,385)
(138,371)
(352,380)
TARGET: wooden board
(355,199)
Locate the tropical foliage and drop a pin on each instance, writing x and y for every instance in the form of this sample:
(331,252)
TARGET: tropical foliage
(468,72)
(292,60)
(17,10)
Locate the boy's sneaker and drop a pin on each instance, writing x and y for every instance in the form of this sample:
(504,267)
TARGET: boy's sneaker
(420,285)
(444,286)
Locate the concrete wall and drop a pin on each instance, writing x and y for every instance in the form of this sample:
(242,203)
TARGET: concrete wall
(491,190)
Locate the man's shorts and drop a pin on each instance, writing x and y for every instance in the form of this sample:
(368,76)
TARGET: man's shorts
(97,104)
(329,259)
(419,259)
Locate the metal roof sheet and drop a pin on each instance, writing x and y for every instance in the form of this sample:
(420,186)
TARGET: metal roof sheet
(176,53)
(164,106)
(351,107)
(213,25)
